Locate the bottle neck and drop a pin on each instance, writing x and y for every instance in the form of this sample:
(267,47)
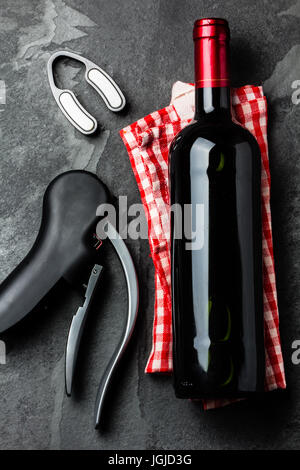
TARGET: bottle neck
(212,82)
(212,102)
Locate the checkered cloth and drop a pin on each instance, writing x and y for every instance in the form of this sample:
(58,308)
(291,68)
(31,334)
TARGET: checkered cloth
(147,142)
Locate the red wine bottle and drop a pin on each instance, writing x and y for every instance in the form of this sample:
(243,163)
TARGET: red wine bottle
(216,237)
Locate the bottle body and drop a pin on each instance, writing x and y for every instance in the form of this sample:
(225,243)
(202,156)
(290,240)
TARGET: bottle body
(216,256)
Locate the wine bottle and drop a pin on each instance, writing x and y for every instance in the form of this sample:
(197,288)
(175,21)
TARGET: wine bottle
(216,237)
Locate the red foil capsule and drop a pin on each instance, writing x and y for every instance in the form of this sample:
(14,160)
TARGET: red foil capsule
(211,37)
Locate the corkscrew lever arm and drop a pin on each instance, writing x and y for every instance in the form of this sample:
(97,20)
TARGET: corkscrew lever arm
(133,301)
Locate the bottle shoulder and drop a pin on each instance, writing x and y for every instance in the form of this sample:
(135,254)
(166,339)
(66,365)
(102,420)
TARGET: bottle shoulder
(224,133)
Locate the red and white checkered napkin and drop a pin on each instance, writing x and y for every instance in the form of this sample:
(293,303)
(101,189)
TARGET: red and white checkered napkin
(147,142)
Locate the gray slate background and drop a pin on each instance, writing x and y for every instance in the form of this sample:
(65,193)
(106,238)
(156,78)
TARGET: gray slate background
(145,45)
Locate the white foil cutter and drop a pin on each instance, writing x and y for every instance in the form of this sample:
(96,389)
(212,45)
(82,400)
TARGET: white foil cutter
(100,81)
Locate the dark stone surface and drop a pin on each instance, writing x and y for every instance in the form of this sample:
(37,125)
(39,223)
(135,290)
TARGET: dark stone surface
(146,45)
